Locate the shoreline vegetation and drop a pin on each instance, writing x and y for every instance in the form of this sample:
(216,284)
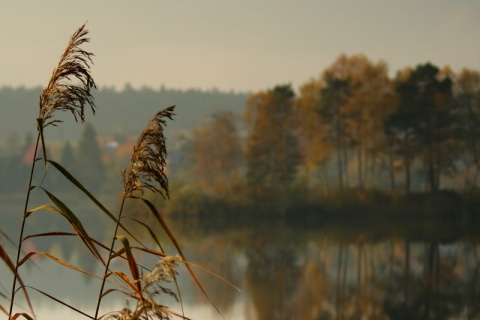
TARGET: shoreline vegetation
(444,216)
(349,203)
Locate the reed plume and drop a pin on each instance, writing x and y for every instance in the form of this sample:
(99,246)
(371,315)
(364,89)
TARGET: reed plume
(61,93)
(148,162)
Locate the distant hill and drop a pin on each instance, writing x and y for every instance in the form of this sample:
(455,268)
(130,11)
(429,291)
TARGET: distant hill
(125,111)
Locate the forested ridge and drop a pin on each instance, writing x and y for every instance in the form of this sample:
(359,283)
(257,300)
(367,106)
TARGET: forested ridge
(119,111)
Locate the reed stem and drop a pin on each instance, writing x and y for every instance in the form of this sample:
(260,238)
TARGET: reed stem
(108,260)
(12,296)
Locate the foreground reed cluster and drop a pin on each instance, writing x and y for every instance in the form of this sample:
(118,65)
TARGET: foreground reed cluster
(69,89)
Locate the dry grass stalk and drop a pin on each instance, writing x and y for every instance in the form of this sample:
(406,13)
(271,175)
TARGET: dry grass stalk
(61,93)
(147,170)
(164,272)
(148,162)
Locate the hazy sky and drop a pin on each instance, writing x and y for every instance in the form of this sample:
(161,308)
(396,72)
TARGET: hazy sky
(242,45)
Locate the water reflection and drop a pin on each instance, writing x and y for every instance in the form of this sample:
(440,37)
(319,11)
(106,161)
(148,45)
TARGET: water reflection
(333,271)
(291,269)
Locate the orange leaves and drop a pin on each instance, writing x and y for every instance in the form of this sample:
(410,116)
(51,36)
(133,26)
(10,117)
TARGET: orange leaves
(216,153)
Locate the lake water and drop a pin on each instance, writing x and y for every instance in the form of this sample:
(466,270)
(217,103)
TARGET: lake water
(284,267)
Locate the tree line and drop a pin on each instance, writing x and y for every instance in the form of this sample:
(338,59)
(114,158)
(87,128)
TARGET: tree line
(353,126)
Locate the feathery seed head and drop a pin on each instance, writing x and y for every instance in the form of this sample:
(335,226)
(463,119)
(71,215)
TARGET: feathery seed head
(149,158)
(61,93)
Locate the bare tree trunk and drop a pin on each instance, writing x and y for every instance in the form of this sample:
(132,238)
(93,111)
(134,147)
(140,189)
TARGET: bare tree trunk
(391,160)
(339,138)
(431,277)
(407,163)
(345,162)
(340,166)
(338,300)
(360,167)
(359,279)
(406,274)
(344,282)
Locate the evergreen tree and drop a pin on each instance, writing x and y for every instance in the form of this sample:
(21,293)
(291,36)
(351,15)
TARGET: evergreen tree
(90,169)
(467,97)
(424,122)
(68,156)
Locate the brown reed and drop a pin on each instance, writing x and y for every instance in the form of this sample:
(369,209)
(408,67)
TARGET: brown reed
(61,93)
(147,170)
(148,162)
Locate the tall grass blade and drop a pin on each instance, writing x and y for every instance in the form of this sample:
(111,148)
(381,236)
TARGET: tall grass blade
(4,235)
(132,264)
(165,227)
(45,207)
(62,302)
(4,256)
(81,187)
(126,280)
(61,233)
(2,309)
(150,232)
(126,293)
(6,259)
(23,314)
(77,226)
(49,234)
(57,260)
(42,138)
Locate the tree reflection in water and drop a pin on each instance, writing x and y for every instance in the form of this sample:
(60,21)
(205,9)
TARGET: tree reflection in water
(322,270)
(292,272)
(218,257)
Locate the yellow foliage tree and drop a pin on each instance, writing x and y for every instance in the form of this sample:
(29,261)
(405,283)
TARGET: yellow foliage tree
(272,146)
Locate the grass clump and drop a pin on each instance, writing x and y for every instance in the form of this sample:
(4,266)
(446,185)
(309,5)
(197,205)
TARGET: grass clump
(69,89)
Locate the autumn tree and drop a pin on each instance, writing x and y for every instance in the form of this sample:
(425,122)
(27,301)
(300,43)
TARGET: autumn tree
(355,99)
(313,145)
(334,97)
(216,153)
(371,100)
(272,146)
